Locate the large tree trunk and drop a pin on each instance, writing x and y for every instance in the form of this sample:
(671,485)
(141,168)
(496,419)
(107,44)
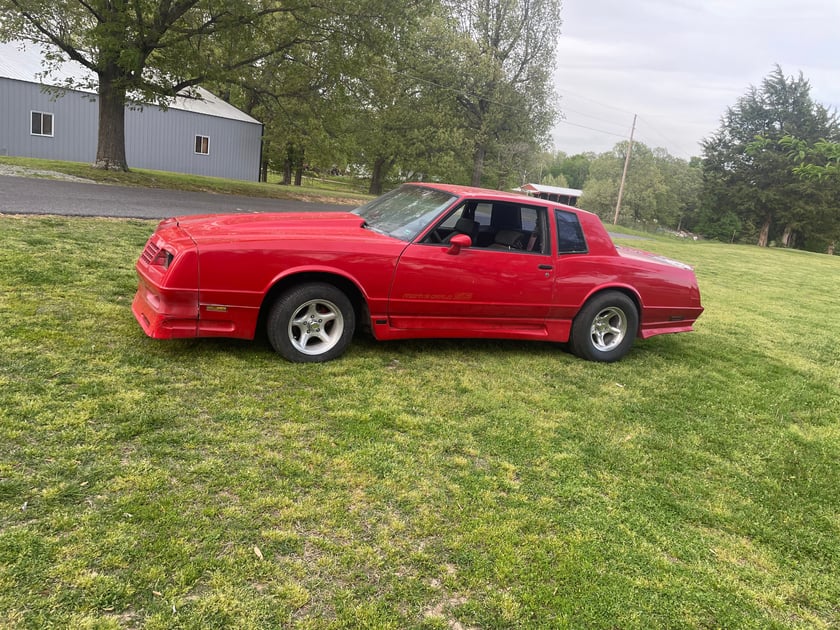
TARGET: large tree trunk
(110,148)
(377,179)
(787,236)
(287,172)
(478,164)
(764,234)
(293,164)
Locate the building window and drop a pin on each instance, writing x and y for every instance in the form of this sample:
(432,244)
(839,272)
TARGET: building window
(42,124)
(202,145)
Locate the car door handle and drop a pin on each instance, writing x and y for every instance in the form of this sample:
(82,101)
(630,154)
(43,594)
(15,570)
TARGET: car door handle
(547,267)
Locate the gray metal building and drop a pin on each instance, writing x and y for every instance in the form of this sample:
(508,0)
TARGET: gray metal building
(201,137)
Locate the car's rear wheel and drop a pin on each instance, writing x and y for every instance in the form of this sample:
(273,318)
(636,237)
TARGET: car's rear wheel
(311,323)
(605,328)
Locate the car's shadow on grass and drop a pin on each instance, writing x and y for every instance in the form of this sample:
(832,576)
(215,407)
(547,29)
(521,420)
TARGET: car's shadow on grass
(365,346)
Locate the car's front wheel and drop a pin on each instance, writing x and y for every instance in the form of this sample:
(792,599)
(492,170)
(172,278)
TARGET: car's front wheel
(311,323)
(605,328)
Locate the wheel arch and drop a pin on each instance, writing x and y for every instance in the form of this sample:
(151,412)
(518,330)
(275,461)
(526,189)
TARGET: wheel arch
(281,285)
(626,290)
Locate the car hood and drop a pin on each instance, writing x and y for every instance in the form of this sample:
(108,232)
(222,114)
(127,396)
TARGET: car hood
(205,229)
(639,254)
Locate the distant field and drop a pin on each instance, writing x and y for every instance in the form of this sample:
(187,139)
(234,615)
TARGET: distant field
(429,484)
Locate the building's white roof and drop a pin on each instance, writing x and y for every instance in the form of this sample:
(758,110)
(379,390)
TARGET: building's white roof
(23,62)
(552,190)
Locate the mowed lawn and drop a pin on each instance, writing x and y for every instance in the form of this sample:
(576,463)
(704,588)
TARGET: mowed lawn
(434,484)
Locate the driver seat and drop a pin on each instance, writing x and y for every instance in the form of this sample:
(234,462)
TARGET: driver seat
(467,226)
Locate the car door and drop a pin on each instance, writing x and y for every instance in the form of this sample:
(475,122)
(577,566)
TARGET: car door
(471,290)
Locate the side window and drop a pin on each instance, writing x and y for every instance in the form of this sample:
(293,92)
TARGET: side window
(458,221)
(518,228)
(500,226)
(450,221)
(484,213)
(570,238)
(42,124)
(529,219)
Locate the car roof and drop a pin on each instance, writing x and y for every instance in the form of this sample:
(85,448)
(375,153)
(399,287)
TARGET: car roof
(473,192)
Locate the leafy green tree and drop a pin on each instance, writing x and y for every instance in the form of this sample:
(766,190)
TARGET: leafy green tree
(404,118)
(600,194)
(576,169)
(151,50)
(362,97)
(677,201)
(660,189)
(501,74)
(301,102)
(753,181)
(642,185)
(558,169)
(819,164)
(555,180)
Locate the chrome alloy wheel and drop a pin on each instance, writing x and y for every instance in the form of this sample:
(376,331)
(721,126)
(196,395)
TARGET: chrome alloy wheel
(316,327)
(609,328)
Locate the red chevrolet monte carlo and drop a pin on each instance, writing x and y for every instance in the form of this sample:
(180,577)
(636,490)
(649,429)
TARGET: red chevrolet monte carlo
(421,261)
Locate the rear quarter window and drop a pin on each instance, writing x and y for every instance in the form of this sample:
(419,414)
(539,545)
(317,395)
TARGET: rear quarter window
(570,238)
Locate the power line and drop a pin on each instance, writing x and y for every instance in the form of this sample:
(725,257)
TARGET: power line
(597,102)
(680,148)
(604,131)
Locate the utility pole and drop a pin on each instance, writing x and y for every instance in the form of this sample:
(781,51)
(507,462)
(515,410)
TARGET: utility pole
(624,174)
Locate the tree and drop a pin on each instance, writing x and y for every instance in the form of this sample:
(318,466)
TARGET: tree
(501,72)
(660,189)
(360,98)
(576,169)
(754,181)
(150,50)
(298,100)
(679,198)
(819,164)
(573,170)
(403,117)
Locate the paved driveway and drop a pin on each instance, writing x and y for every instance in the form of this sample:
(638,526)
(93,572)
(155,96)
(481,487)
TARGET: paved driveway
(25,195)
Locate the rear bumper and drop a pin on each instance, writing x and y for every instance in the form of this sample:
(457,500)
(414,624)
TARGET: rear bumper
(670,320)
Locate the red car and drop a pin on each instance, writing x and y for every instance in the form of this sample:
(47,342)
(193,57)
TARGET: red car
(421,261)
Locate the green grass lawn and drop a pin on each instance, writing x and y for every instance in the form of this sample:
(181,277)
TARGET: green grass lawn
(429,484)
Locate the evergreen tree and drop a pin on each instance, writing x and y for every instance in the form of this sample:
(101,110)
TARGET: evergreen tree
(748,185)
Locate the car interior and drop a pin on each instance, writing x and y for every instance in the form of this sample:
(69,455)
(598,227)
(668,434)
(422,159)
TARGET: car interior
(494,225)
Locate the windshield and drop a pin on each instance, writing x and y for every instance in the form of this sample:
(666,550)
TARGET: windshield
(404,212)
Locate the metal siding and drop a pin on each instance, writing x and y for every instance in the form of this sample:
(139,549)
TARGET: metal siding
(75,123)
(155,138)
(165,140)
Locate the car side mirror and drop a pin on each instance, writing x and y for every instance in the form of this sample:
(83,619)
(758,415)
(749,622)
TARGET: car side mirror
(457,242)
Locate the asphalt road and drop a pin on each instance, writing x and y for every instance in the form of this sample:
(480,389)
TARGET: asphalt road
(26,195)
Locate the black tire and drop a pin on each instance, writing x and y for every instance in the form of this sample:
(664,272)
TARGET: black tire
(311,323)
(605,328)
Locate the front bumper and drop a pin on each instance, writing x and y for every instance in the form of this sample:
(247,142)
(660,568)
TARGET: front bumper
(165,314)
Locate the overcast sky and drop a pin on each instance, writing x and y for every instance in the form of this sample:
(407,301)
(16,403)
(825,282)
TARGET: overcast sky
(679,64)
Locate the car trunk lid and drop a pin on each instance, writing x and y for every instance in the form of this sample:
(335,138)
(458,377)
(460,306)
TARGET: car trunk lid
(640,254)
